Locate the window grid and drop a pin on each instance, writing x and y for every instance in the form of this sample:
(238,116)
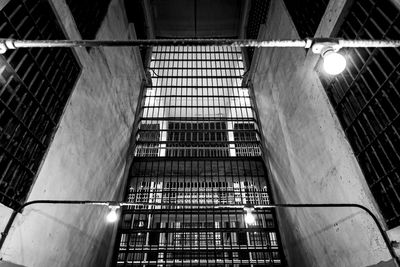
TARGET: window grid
(35,85)
(366,98)
(197,100)
(209,153)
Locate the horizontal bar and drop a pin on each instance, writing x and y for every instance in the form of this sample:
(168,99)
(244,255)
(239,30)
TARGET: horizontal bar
(223,144)
(224,131)
(198,96)
(155,87)
(196,68)
(272,206)
(13,44)
(198,230)
(196,77)
(174,262)
(195,248)
(6,44)
(196,52)
(198,107)
(187,212)
(197,60)
(200,119)
(237,160)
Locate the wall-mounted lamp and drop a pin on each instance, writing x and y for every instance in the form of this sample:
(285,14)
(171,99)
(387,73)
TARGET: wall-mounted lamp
(334,62)
(112,215)
(249,217)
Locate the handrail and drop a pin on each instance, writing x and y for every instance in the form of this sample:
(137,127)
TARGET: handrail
(215,206)
(6,44)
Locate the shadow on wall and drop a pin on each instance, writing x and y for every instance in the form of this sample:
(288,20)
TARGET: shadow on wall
(390,263)
(9,264)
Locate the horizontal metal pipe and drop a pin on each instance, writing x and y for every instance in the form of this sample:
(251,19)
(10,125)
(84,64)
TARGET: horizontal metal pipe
(213,206)
(6,44)
(369,43)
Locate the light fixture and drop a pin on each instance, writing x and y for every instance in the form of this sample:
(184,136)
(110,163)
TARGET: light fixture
(334,63)
(112,215)
(249,217)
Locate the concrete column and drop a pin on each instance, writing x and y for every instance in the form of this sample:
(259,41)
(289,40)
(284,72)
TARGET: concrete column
(309,156)
(86,159)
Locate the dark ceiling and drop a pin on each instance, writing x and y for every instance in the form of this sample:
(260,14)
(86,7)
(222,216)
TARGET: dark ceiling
(191,18)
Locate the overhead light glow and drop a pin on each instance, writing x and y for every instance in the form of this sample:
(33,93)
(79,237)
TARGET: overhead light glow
(249,217)
(112,216)
(334,63)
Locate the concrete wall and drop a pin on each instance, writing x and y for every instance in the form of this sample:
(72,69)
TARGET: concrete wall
(86,159)
(309,156)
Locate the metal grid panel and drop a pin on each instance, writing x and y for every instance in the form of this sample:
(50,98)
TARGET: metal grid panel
(366,97)
(306,15)
(35,86)
(88,15)
(198,103)
(197,143)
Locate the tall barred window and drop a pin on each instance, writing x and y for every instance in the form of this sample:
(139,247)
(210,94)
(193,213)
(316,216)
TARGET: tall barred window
(35,85)
(197,164)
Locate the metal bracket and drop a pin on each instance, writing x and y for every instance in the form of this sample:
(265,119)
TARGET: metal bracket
(6,44)
(322,45)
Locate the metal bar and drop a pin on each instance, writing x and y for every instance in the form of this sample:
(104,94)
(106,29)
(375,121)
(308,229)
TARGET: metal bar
(272,206)
(6,44)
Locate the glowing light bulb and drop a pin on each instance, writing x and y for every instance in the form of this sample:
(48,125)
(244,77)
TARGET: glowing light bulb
(334,63)
(249,217)
(112,216)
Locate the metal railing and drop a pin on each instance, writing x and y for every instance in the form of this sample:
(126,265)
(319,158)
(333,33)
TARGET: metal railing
(272,206)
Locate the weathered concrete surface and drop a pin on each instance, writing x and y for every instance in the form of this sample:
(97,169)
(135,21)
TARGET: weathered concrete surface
(309,156)
(86,159)
(9,264)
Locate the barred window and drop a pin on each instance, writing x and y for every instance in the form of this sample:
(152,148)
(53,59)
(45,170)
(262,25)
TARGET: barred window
(35,87)
(366,98)
(208,154)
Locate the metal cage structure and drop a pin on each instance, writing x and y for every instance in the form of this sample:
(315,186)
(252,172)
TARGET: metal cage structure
(197,143)
(35,85)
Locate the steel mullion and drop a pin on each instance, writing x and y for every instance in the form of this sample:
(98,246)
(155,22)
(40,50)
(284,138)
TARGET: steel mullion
(378,181)
(19,161)
(34,59)
(359,74)
(383,131)
(22,83)
(373,97)
(27,129)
